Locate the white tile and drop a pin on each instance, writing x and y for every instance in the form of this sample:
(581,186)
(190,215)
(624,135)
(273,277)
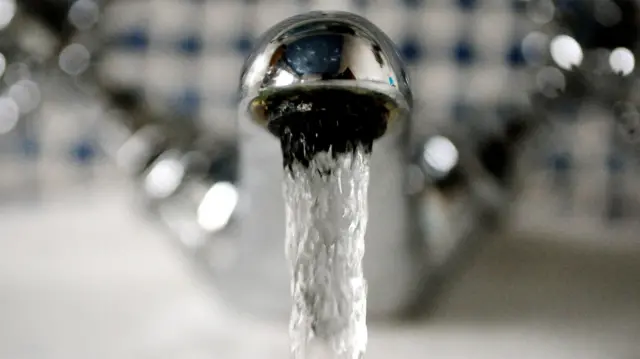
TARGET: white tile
(221,75)
(124,15)
(171,17)
(265,15)
(437,83)
(224,19)
(389,18)
(493,33)
(220,121)
(124,68)
(164,72)
(486,84)
(330,5)
(441,27)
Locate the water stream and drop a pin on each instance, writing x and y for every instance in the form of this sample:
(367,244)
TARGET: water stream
(326,211)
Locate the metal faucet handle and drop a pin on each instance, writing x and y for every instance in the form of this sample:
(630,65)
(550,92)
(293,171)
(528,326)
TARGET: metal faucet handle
(322,51)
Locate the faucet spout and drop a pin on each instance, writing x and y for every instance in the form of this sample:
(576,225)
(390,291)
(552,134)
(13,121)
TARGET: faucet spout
(324,81)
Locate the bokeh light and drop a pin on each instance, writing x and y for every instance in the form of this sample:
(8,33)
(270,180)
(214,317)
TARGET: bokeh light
(566,52)
(8,10)
(622,61)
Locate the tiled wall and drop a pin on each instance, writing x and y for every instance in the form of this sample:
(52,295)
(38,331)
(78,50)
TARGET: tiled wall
(186,56)
(190,53)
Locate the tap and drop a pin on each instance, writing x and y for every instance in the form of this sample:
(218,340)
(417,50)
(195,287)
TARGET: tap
(463,179)
(306,75)
(192,195)
(176,168)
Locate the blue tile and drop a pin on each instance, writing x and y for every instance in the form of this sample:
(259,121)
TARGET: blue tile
(30,147)
(191,45)
(615,164)
(560,162)
(410,50)
(413,3)
(83,152)
(515,57)
(135,39)
(463,53)
(467,5)
(243,44)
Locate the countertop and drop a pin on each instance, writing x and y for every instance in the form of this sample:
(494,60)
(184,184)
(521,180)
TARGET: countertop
(82,276)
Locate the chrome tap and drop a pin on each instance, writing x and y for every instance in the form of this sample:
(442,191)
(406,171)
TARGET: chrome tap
(340,64)
(463,180)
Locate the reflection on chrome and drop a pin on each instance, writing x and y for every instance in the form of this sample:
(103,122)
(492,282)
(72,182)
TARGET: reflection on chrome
(283,78)
(8,10)
(622,61)
(164,176)
(217,206)
(441,155)
(566,52)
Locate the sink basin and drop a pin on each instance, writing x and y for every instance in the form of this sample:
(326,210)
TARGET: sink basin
(84,277)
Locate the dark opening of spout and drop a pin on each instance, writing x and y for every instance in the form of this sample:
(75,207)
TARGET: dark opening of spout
(319,120)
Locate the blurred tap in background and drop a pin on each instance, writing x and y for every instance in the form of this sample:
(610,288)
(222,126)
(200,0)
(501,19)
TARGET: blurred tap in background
(462,180)
(97,115)
(582,62)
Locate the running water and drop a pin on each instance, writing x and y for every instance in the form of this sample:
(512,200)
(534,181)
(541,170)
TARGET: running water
(326,211)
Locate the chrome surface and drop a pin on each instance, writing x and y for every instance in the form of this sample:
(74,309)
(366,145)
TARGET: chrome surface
(192,195)
(324,49)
